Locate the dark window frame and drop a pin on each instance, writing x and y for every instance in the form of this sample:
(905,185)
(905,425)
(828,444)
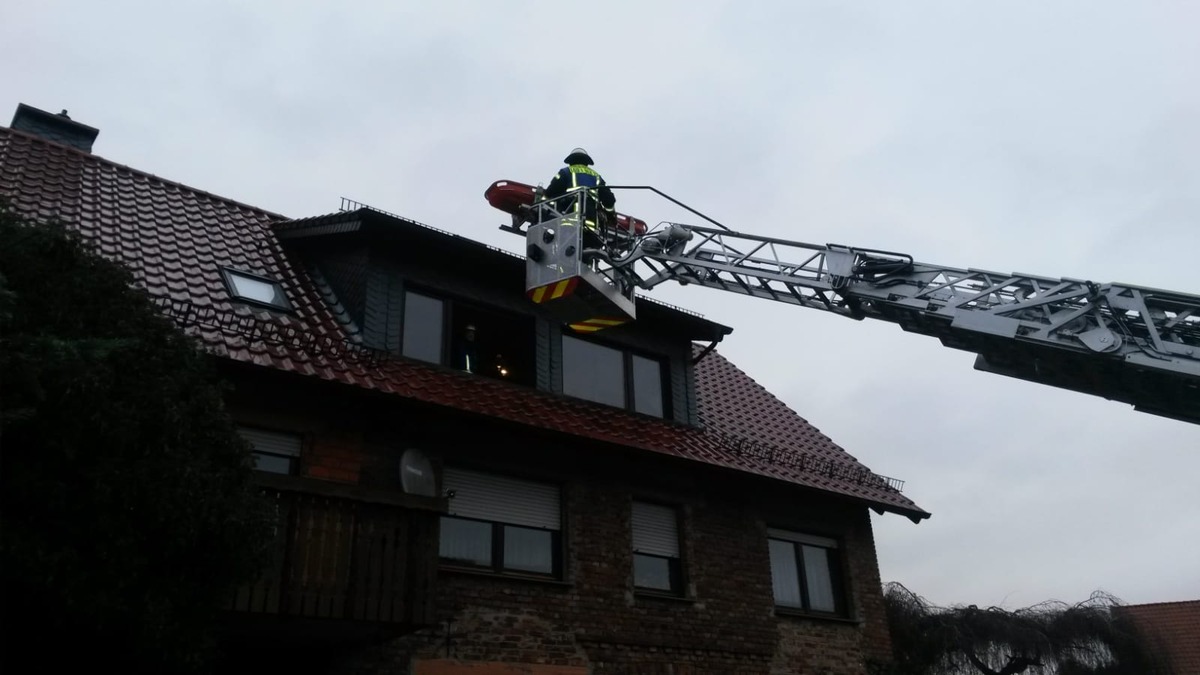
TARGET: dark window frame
(677,579)
(674,575)
(255,453)
(520,360)
(442,328)
(293,463)
(496,565)
(627,374)
(837,579)
(664,383)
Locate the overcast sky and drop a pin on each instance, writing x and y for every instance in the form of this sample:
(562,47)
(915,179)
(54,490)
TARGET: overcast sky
(1052,138)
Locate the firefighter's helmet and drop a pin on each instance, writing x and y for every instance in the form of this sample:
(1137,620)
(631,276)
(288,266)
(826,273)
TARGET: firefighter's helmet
(579,156)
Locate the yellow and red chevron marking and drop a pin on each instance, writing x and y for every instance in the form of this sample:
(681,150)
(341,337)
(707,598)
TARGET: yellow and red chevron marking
(597,323)
(553,291)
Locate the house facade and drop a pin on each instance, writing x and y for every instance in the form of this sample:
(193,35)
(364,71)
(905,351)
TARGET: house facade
(465,485)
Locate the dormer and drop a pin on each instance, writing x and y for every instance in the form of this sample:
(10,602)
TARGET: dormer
(457,304)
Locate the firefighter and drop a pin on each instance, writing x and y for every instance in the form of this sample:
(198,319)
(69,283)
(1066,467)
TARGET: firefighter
(578,174)
(466,354)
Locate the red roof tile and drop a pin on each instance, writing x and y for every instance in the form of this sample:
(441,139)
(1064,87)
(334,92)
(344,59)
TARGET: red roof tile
(1174,629)
(175,239)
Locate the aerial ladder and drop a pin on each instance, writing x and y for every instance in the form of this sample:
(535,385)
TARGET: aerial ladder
(1126,343)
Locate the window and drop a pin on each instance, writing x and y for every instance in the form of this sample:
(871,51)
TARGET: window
(422,327)
(502,524)
(612,376)
(656,548)
(274,451)
(647,385)
(469,338)
(255,289)
(804,572)
(593,372)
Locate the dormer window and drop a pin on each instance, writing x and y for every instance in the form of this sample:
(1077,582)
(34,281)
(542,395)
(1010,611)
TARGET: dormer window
(613,376)
(467,337)
(255,289)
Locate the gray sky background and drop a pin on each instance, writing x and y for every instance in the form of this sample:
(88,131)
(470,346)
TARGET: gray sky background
(1053,138)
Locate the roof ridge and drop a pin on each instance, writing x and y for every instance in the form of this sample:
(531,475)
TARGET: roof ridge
(166,181)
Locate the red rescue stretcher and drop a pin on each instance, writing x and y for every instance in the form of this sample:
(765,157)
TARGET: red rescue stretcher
(510,196)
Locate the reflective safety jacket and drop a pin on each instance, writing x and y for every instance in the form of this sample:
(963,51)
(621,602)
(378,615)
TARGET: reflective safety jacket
(571,179)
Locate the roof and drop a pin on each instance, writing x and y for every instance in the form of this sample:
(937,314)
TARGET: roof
(175,240)
(1173,628)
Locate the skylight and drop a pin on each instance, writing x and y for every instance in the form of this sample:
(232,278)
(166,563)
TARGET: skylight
(257,289)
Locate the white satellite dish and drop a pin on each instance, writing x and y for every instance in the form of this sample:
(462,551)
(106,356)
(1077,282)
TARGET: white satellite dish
(416,474)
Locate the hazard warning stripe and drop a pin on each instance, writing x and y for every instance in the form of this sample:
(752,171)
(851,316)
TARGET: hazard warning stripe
(564,288)
(597,323)
(554,291)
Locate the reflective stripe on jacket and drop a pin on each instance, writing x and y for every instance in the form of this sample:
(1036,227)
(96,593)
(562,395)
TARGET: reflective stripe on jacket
(574,178)
(583,176)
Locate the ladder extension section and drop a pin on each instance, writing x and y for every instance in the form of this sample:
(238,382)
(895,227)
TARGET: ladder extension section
(1123,342)
(890,286)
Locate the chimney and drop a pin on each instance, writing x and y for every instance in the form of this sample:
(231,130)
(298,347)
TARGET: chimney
(58,128)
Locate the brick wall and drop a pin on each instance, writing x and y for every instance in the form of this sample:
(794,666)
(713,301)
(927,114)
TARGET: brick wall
(595,619)
(335,455)
(807,646)
(332,445)
(864,566)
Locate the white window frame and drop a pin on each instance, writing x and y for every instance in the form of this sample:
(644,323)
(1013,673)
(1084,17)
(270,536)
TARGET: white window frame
(236,279)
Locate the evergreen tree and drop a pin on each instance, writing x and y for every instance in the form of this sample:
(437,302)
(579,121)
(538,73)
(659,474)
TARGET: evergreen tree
(127,509)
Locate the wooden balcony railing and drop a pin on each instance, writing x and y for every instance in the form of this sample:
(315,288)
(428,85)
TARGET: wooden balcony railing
(343,552)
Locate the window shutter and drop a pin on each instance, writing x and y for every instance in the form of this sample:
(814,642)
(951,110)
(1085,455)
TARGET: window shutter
(273,442)
(502,499)
(655,529)
(810,539)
